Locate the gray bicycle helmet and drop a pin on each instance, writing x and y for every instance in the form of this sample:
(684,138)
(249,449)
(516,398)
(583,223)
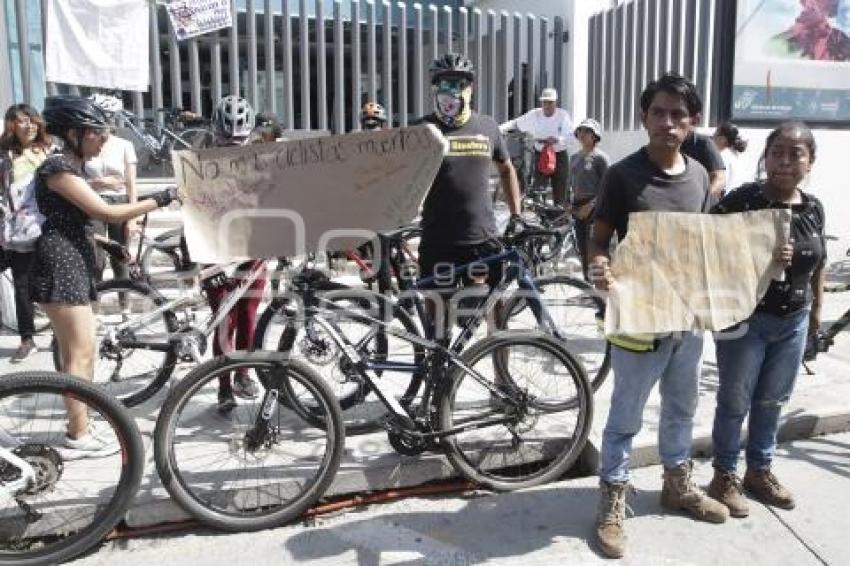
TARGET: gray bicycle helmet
(68,112)
(452,65)
(233,117)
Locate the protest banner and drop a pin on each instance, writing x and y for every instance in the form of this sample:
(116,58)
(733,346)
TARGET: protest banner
(290,197)
(678,271)
(191,18)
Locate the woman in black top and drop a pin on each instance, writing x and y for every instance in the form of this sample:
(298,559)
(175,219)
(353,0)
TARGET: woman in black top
(63,269)
(758,359)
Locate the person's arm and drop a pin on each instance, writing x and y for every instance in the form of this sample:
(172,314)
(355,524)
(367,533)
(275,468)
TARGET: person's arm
(597,251)
(610,206)
(510,185)
(78,192)
(717,182)
(816,283)
(522,123)
(130,183)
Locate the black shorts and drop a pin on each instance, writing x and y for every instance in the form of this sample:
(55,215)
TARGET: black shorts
(437,260)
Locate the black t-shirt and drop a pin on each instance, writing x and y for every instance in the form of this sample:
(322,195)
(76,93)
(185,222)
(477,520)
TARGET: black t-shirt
(458,208)
(636,184)
(807,224)
(702,148)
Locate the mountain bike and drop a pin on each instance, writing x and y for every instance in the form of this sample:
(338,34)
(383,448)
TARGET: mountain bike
(54,504)
(159,142)
(562,307)
(512,411)
(141,336)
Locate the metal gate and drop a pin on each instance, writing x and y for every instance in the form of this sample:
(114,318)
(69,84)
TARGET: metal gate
(314,63)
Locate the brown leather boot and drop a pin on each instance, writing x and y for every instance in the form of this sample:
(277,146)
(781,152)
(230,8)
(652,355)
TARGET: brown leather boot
(680,493)
(764,486)
(609,519)
(725,487)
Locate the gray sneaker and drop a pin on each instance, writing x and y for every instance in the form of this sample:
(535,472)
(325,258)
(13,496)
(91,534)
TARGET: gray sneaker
(244,387)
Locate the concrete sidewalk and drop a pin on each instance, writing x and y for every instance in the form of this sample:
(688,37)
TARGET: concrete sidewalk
(552,524)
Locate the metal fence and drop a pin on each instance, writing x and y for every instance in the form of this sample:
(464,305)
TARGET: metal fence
(639,40)
(313,64)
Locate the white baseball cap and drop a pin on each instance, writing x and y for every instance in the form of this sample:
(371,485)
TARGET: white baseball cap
(548,94)
(590,124)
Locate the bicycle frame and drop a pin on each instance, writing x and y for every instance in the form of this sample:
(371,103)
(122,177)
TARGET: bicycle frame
(368,370)
(446,352)
(208,326)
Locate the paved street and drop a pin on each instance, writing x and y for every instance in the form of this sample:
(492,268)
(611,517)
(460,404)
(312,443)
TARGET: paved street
(548,525)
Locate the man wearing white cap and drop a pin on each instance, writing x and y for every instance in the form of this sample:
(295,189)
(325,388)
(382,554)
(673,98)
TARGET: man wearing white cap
(549,125)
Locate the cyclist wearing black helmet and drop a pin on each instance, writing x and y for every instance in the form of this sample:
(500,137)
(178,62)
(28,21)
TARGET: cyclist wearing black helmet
(63,270)
(373,116)
(458,222)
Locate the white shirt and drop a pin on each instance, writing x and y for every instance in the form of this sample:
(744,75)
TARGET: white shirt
(559,125)
(114,157)
(733,175)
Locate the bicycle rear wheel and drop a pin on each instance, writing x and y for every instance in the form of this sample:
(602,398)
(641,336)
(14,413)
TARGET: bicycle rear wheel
(577,312)
(532,435)
(130,373)
(76,496)
(221,469)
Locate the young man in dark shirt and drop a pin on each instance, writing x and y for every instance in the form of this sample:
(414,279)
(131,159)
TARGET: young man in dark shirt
(458,222)
(657,177)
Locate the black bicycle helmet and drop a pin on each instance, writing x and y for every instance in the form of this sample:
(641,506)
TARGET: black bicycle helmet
(67,112)
(452,65)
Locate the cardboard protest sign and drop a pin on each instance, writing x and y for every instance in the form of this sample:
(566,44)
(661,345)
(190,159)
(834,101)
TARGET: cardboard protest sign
(190,18)
(677,271)
(287,198)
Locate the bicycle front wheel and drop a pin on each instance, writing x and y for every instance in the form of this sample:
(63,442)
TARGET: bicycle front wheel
(123,367)
(576,311)
(259,465)
(70,493)
(520,414)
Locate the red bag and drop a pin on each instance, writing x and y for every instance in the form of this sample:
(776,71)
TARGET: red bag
(546,161)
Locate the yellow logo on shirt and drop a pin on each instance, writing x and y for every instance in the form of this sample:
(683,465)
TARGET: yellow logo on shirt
(469,146)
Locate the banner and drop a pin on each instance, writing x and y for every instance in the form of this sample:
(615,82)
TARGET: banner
(288,198)
(190,18)
(792,60)
(676,271)
(99,43)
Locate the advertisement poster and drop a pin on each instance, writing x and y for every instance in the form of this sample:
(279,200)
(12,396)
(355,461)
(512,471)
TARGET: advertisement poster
(191,18)
(792,60)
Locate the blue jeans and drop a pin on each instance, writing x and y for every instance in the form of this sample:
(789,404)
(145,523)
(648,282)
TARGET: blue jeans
(758,368)
(676,363)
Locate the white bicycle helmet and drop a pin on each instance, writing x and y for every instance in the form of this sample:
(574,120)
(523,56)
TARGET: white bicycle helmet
(233,117)
(108,103)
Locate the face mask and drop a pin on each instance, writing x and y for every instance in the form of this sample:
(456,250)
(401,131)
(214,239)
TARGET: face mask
(453,107)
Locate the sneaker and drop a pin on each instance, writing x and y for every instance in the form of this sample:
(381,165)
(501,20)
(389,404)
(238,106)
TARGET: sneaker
(226,402)
(680,493)
(764,486)
(93,444)
(610,534)
(244,387)
(726,488)
(24,351)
